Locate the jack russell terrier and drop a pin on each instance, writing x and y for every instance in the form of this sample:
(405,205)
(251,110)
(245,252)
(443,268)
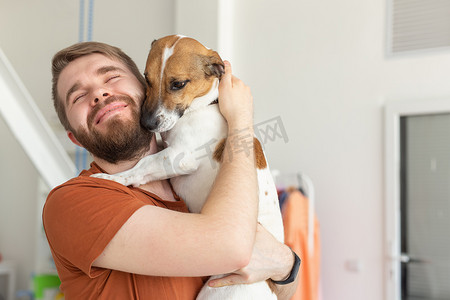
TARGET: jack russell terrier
(183,77)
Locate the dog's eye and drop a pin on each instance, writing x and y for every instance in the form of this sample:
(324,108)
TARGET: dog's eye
(178,85)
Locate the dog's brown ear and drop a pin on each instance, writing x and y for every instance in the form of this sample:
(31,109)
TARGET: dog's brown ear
(213,64)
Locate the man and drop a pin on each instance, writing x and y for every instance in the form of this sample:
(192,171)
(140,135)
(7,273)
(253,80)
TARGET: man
(115,242)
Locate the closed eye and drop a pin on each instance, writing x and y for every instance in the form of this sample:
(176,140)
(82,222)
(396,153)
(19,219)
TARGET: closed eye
(78,98)
(112,77)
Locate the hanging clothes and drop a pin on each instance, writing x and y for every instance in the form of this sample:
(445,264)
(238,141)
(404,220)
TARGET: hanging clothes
(295,219)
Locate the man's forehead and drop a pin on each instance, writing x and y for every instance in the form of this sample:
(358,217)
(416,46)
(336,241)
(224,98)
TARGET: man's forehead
(79,67)
(94,61)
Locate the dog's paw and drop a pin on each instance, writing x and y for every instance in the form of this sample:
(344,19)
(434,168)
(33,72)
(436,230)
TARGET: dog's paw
(126,181)
(188,164)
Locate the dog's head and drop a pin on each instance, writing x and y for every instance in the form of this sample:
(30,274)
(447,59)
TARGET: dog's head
(181,74)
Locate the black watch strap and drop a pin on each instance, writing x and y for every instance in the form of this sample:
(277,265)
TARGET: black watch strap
(294,271)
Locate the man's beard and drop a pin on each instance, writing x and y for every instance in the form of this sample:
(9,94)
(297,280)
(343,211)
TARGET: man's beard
(124,139)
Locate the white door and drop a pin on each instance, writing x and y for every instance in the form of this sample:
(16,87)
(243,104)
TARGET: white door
(417,200)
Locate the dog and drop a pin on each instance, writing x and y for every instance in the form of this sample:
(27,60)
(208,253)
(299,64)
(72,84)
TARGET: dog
(181,104)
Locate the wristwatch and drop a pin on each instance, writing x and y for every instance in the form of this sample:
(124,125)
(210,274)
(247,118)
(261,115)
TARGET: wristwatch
(294,271)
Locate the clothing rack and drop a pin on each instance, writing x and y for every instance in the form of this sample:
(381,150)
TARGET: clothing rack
(308,188)
(304,183)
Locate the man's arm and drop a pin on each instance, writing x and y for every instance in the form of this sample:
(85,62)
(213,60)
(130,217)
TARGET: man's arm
(161,242)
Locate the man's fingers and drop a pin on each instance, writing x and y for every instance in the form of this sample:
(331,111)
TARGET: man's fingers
(228,70)
(227,280)
(226,78)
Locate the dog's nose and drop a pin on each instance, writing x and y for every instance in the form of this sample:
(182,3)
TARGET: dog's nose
(151,122)
(149,118)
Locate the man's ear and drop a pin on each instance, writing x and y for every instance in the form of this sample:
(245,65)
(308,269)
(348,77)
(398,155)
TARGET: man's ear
(73,139)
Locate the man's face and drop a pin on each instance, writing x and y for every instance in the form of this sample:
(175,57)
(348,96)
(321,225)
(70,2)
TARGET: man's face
(102,99)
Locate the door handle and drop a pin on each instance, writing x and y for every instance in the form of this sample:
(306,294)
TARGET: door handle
(408,259)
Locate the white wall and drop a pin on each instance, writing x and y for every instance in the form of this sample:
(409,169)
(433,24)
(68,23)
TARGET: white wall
(197,19)
(319,65)
(18,205)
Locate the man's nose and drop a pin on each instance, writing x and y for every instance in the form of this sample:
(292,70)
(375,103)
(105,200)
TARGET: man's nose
(100,97)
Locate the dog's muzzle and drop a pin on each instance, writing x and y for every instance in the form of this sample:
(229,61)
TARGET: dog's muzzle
(159,120)
(150,120)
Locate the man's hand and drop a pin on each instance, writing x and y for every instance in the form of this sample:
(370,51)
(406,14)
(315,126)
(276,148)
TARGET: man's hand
(270,260)
(235,100)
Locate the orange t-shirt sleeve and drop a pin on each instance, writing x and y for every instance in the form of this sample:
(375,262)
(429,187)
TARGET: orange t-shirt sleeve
(82,216)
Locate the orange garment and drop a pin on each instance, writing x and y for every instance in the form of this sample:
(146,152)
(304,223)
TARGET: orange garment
(295,220)
(80,218)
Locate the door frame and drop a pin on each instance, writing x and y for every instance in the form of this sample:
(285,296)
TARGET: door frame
(393,112)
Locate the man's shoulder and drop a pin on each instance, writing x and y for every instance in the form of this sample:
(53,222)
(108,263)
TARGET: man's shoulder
(84,193)
(84,182)
(85,189)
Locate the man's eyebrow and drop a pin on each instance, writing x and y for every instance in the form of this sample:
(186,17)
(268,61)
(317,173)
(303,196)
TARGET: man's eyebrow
(106,69)
(75,87)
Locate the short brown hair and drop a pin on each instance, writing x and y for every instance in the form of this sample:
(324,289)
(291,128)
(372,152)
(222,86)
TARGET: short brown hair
(69,54)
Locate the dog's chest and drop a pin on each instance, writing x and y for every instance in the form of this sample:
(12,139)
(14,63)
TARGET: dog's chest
(198,133)
(197,129)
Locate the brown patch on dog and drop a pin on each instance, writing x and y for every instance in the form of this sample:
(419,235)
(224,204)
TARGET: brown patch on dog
(271,285)
(260,159)
(218,152)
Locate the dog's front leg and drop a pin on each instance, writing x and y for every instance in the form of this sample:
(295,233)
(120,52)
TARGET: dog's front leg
(165,164)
